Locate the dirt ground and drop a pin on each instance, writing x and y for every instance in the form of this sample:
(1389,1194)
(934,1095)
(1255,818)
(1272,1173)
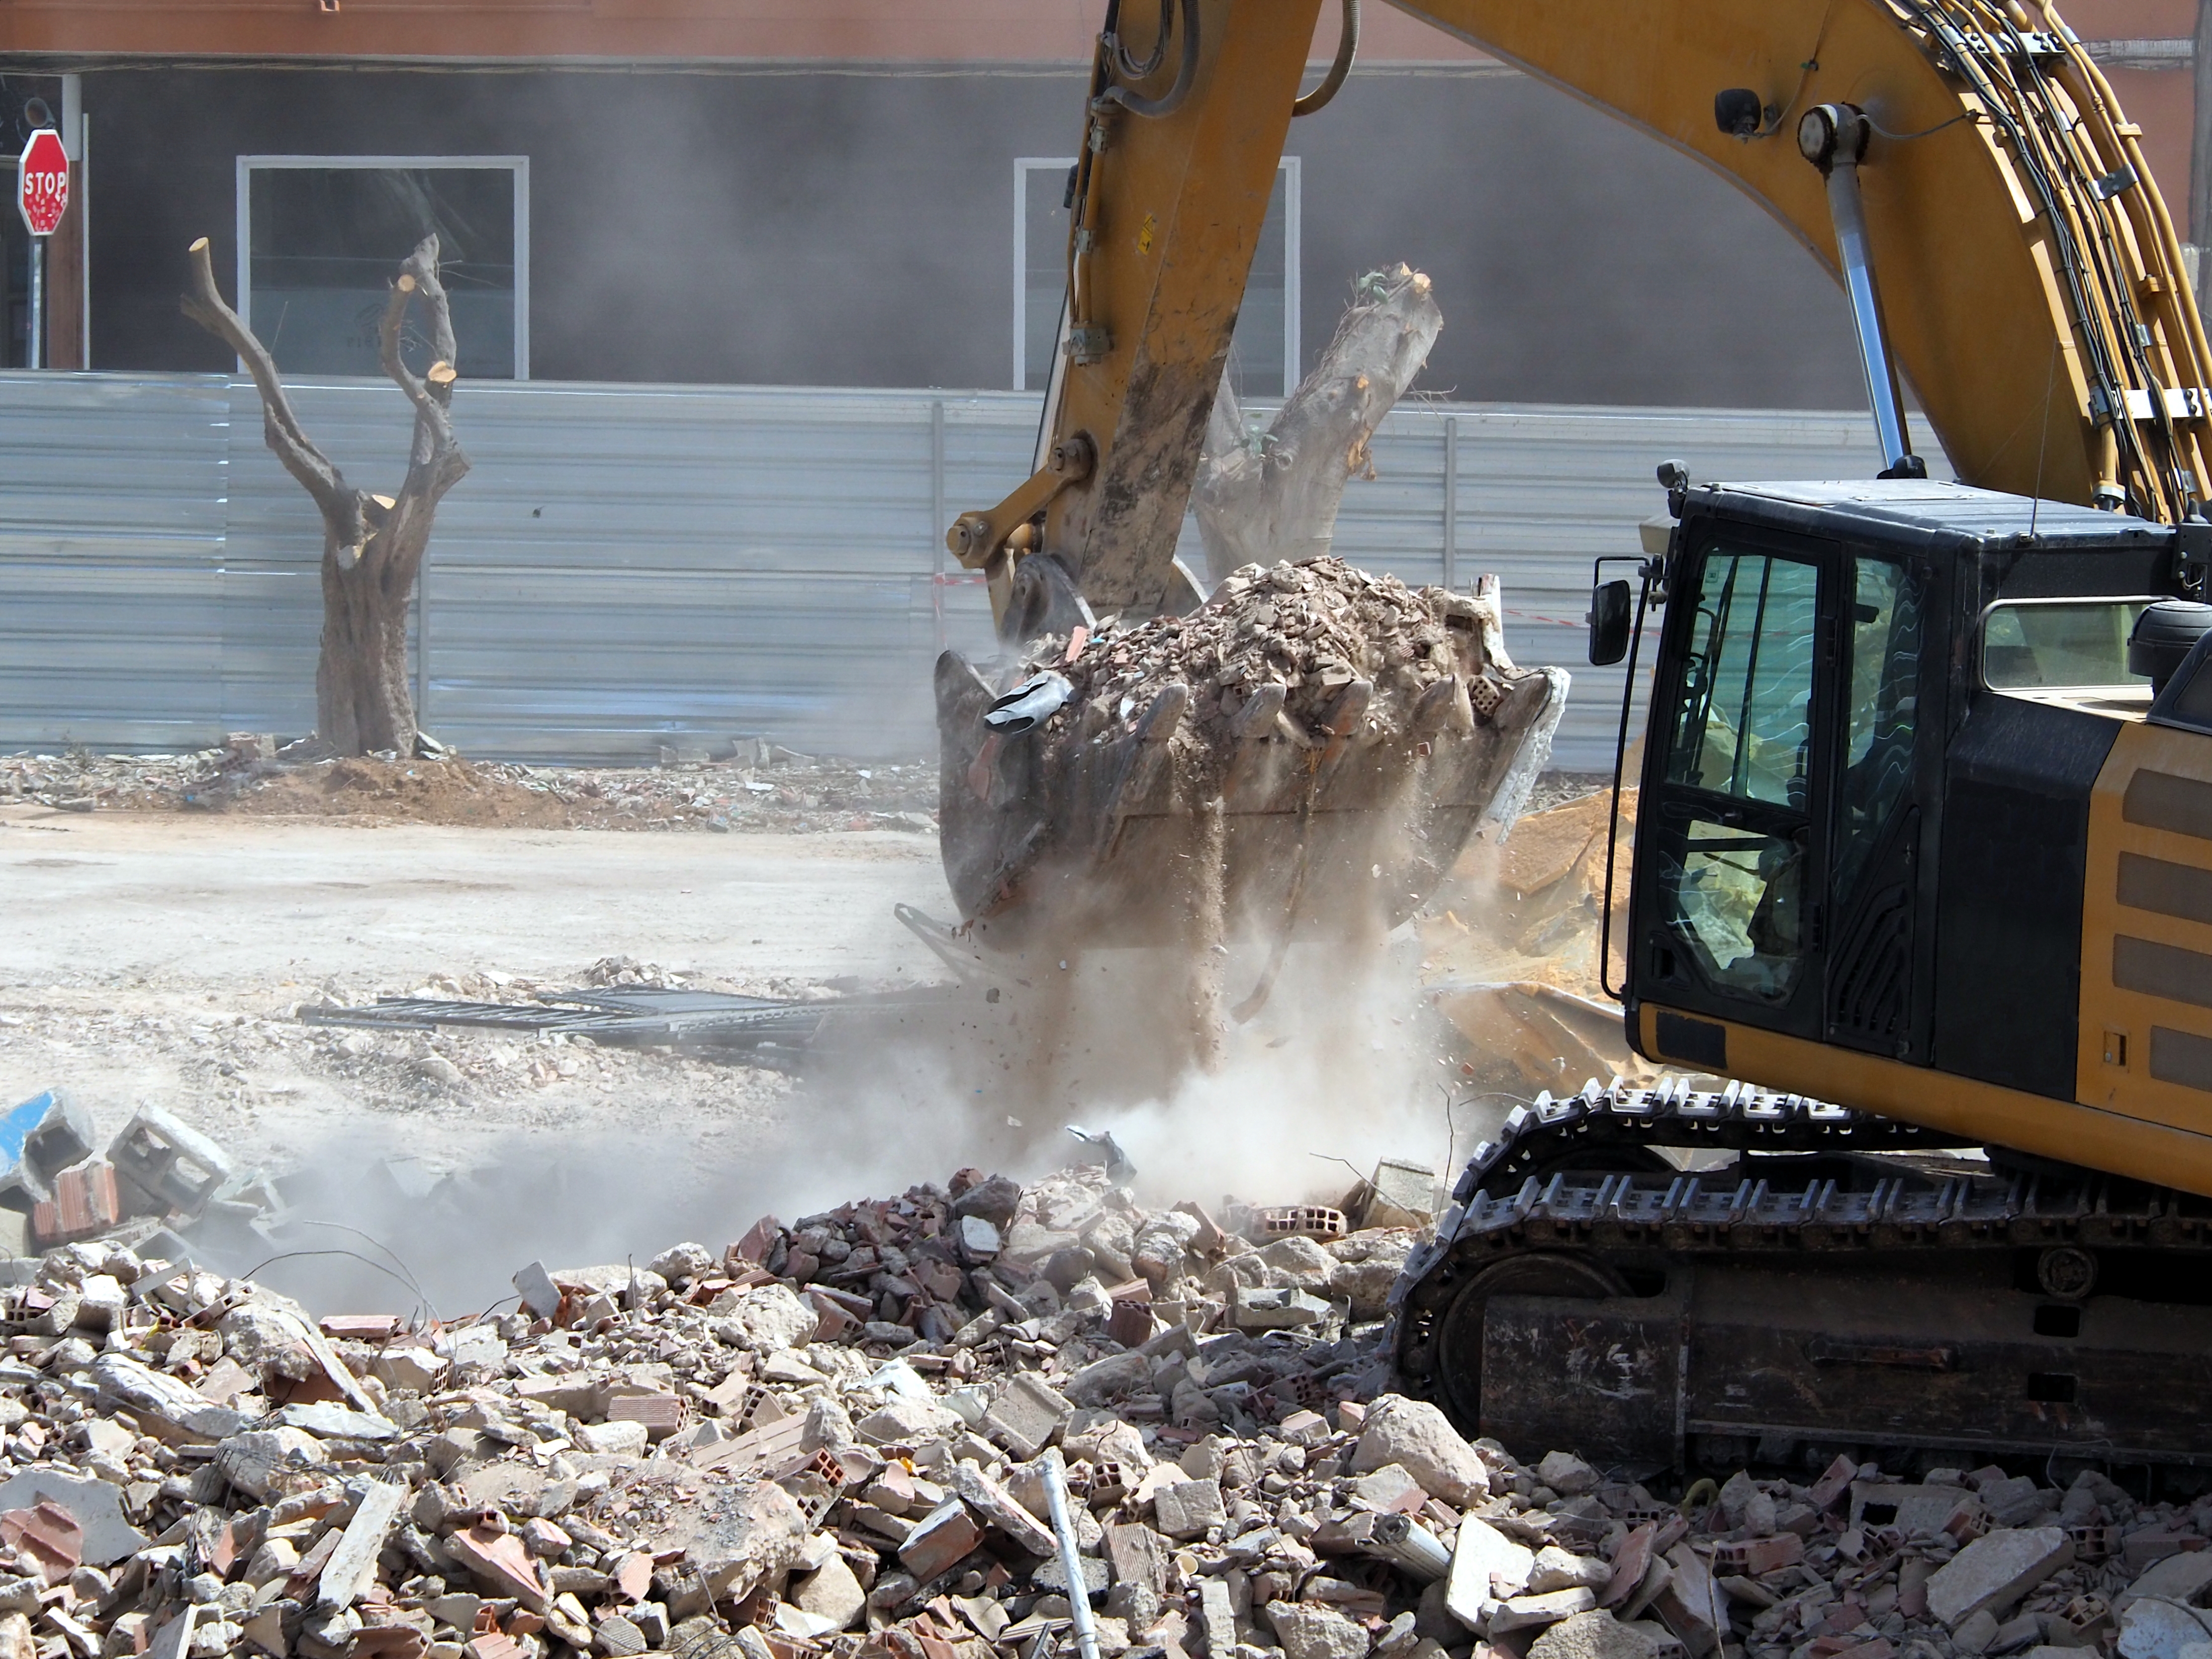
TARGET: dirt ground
(757,786)
(161,956)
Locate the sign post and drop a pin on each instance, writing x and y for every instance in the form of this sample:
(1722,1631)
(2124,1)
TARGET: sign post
(42,188)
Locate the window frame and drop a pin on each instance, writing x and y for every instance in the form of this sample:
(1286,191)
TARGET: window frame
(517,165)
(1981,642)
(1293,173)
(1672,807)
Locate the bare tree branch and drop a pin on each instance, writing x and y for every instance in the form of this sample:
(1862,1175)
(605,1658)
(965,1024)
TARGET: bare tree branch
(436,463)
(317,473)
(1277,498)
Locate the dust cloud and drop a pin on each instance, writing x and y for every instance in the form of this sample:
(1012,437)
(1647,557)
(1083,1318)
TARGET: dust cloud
(1336,1072)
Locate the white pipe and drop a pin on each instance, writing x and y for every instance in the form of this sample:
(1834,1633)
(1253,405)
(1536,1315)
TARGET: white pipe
(1071,1561)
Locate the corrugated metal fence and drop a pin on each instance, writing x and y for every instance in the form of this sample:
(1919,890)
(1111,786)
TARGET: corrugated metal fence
(630,567)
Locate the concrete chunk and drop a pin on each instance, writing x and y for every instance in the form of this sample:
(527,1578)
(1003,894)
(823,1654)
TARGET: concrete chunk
(1027,1416)
(1595,1635)
(1310,1631)
(1993,1572)
(832,1593)
(1187,1508)
(176,1166)
(944,1536)
(253,1460)
(1522,1611)
(1565,1474)
(907,1422)
(1419,1436)
(1556,1569)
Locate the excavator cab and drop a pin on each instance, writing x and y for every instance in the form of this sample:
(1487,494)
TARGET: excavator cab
(1926,827)
(1879,713)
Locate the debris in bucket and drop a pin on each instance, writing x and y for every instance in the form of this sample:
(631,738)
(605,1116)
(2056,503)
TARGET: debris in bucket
(1310,628)
(838,1437)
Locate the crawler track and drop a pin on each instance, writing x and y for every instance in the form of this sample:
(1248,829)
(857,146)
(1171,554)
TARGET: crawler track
(1843,1279)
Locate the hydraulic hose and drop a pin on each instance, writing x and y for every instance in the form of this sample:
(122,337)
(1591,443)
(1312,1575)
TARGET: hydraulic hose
(1186,72)
(1348,48)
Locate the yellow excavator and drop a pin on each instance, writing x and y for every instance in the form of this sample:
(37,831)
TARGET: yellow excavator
(1926,819)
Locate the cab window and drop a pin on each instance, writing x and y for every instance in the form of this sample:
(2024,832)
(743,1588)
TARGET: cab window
(1738,755)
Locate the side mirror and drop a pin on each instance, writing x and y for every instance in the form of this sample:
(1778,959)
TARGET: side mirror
(1610,612)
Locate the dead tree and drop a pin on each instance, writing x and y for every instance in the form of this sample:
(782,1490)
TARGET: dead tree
(1274,496)
(372,545)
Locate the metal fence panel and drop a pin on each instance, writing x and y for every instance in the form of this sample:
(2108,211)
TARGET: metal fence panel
(110,551)
(629,566)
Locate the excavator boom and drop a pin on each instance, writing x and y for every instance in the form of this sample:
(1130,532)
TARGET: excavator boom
(2035,295)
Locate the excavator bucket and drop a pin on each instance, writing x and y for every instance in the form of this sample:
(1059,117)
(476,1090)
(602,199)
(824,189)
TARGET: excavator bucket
(1303,757)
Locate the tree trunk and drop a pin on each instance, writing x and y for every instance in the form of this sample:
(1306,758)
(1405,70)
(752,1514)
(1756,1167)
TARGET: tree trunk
(372,545)
(363,702)
(1273,496)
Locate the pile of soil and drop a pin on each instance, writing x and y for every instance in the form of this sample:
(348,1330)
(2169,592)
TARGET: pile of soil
(760,787)
(451,792)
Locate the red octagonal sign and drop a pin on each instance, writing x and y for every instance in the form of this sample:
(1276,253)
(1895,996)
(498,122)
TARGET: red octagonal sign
(42,182)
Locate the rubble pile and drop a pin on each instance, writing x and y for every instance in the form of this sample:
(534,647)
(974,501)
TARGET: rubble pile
(1312,628)
(749,785)
(842,1437)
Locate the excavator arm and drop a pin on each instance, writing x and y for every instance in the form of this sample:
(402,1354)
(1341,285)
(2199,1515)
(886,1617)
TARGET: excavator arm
(2030,286)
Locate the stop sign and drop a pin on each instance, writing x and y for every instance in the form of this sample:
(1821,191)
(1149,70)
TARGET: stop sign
(42,181)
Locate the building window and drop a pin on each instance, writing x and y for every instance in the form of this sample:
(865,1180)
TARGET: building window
(1263,354)
(320,238)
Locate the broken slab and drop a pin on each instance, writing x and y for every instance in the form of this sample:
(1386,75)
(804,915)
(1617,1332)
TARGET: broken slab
(352,1567)
(96,1505)
(1486,1567)
(1525,1612)
(501,1561)
(2177,1578)
(1691,1604)
(997,1507)
(328,1421)
(1994,1571)
(2155,1628)
(1277,1308)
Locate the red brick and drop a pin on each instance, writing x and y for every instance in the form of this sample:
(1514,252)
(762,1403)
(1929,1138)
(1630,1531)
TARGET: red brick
(84,1204)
